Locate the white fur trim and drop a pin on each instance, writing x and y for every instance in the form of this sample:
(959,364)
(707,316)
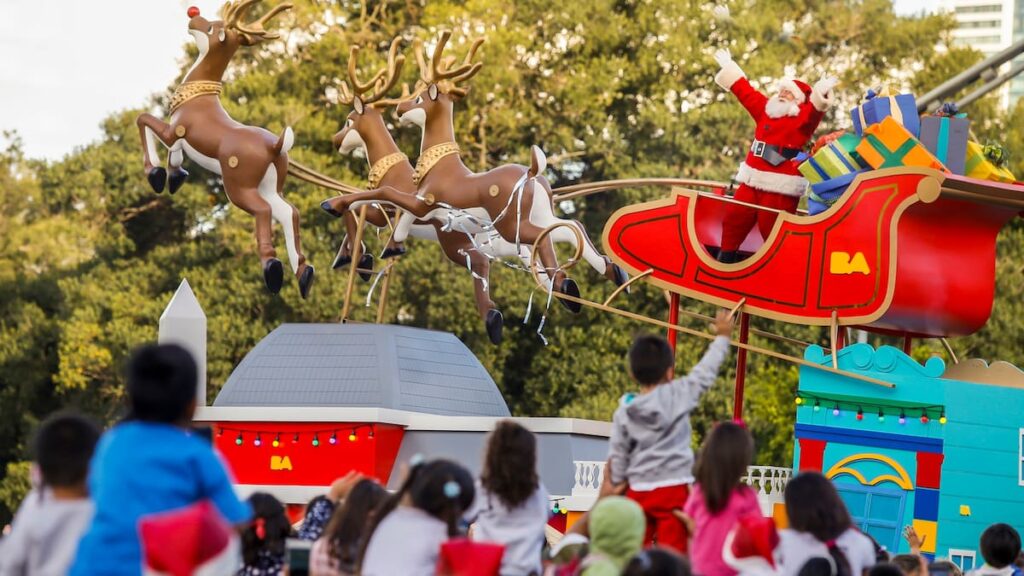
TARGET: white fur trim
(789,84)
(728,75)
(785,184)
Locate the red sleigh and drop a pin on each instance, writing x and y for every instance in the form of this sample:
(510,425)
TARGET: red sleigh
(906,250)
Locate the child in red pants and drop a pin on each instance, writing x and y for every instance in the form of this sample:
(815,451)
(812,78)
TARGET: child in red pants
(650,441)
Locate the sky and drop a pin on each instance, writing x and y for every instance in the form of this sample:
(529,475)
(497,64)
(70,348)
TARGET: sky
(68,64)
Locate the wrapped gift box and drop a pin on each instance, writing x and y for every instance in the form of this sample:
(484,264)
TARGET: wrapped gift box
(946,138)
(888,145)
(823,195)
(978,165)
(901,107)
(834,159)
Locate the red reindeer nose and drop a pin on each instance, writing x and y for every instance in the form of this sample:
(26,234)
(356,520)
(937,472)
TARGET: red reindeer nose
(193,11)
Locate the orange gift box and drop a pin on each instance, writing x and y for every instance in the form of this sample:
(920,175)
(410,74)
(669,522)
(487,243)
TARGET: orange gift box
(888,145)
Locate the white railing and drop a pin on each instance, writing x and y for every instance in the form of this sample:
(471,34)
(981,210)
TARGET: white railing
(768,481)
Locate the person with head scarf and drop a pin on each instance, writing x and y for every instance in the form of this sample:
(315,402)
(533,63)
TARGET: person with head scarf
(616,526)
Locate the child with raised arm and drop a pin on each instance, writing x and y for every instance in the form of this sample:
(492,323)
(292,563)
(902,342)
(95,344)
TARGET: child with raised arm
(650,442)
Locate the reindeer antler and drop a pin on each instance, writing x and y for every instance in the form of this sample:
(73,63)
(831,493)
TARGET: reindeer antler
(440,71)
(235,10)
(382,82)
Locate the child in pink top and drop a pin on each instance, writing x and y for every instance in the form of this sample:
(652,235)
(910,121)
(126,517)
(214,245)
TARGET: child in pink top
(719,498)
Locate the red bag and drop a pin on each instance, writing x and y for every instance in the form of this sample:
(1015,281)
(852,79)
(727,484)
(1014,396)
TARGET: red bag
(463,557)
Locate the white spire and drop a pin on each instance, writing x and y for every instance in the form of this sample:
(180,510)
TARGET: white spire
(183,322)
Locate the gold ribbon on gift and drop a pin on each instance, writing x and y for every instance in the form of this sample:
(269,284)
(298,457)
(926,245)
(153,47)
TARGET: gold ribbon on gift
(883,91)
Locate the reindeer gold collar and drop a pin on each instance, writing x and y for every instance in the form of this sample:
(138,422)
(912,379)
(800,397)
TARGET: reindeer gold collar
(430,157)
(381,167)
(189,90)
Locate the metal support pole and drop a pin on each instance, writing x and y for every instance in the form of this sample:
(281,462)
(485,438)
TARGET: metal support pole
(673,318)
(908,344)
(741,367)
(383,303)
(357,253)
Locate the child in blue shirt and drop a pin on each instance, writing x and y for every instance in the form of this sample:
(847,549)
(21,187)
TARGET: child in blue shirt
(151,463)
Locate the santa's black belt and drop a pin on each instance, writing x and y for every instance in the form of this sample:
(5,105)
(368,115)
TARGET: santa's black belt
(772,154)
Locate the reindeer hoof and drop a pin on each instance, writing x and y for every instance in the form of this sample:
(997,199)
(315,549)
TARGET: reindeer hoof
(306,281)
(157,179)
(341,260)
(494,322)
(391,252)
(326,205)
(365,267)
(273,275)
(619,275)
(176,179)
(570,288)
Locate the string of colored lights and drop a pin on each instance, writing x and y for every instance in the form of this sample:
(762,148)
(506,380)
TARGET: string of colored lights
(926,411)
(241,433)
(556,507)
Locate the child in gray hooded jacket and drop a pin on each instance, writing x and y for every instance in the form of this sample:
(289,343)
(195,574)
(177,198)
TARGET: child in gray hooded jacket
(650,442)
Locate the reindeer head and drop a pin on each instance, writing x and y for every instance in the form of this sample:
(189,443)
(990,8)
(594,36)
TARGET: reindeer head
(438,85)
(217,40)
(366,123)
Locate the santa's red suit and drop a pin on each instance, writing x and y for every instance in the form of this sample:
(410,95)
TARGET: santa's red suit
(768,176)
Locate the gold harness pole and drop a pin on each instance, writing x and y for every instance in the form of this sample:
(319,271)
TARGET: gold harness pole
(357,253)
(383,302)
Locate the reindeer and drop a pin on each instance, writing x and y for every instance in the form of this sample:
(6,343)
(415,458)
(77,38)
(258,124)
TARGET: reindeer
(474,203)
(252,161)
(365,130)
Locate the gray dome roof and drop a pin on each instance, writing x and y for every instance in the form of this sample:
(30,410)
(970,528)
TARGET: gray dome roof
(364,365)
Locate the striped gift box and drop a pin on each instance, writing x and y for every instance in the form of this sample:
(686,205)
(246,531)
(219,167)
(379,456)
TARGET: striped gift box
(835,159)
(884,104)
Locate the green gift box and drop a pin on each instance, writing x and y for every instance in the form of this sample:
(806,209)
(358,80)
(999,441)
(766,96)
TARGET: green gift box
(833,160)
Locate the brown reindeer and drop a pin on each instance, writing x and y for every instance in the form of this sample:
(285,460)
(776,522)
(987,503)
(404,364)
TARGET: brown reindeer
(512,200)
(252,161)
(366,130)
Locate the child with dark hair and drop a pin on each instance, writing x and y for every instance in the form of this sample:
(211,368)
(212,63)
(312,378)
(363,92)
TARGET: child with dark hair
(264,539)
(1000,545)
(511,506)
(336,553)
(151,463)
(657,562)
(407,531)
(820,526)
(944,568)
(46,532)
(720,498)
(910,564)
(650,442)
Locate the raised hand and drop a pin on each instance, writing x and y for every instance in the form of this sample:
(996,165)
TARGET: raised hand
(826,84)
(723,57)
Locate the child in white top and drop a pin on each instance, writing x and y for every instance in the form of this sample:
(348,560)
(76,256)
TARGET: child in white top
(511,506)
(408,531)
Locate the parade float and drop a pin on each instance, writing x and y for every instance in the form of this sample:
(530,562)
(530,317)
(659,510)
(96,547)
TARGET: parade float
(938,445)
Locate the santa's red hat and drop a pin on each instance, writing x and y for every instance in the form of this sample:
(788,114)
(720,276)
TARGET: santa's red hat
(749,548)
(799,88)
(192,541)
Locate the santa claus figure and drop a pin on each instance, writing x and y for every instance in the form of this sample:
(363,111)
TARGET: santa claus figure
(768,176)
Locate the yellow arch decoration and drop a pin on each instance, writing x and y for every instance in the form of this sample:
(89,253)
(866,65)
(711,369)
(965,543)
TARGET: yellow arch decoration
(901,478)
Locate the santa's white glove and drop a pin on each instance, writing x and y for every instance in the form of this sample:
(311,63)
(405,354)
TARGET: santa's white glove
(821,93)
(723,57)
(730,71)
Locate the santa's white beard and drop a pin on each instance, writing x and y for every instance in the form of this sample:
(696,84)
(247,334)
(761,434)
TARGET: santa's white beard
(777,108)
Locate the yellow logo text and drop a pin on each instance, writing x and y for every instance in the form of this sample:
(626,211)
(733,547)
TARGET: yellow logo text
(841,263)
(280,463)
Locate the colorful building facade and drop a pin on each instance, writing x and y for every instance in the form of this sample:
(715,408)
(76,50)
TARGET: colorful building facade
(942,449)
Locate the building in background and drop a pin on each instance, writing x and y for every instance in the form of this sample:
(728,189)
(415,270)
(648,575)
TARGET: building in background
(990,26)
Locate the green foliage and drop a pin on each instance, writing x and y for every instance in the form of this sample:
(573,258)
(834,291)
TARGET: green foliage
(15,484)
(89,256)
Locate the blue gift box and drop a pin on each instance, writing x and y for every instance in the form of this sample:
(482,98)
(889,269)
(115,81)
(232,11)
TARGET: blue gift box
(902,107)
(824,194)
